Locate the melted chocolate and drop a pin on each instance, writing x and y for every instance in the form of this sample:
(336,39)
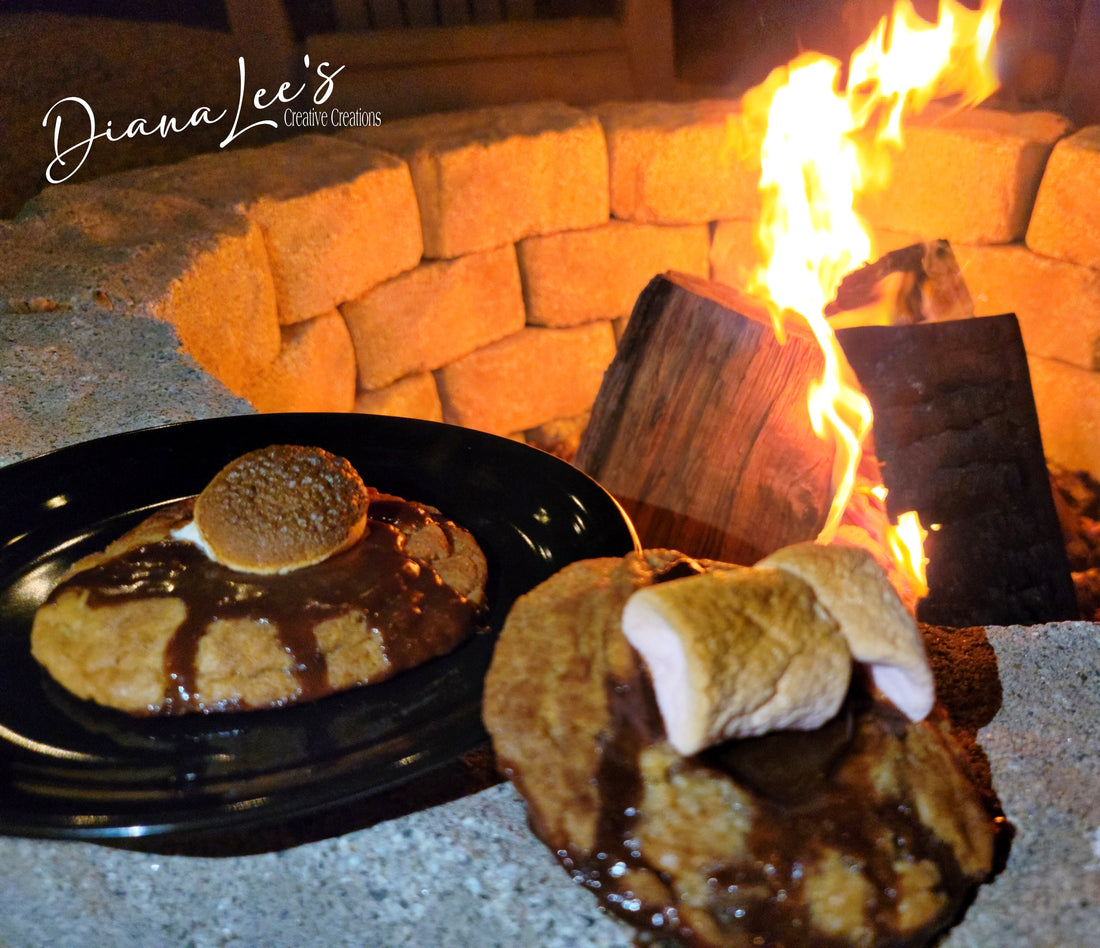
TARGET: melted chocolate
(789,767)
(801,799)
(416,613)
(800,803)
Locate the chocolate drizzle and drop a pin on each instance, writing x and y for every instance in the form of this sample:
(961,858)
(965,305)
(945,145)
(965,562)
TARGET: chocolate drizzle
(810,798)
(810,792)
(415,612)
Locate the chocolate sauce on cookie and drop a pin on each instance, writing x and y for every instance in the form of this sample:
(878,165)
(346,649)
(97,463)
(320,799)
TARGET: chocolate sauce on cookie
(415,612)
(801,803)
(865,831)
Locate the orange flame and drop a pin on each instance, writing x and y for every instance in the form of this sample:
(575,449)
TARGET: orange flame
(907,547)
(907,62)
(821,147)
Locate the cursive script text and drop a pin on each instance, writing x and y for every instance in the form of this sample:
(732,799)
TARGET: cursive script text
(70,154)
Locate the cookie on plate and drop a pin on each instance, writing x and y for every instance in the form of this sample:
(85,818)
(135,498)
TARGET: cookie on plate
(286,580)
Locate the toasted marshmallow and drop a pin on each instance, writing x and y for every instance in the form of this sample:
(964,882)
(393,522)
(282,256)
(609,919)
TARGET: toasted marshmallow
(879,630)
(279,509)
(737,653)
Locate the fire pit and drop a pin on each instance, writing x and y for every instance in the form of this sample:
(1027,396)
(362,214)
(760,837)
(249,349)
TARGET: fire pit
(479,267)
(528,269)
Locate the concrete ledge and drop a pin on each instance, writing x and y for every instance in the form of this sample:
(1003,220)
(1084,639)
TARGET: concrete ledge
(91,249)
(1043,747)
(67,377)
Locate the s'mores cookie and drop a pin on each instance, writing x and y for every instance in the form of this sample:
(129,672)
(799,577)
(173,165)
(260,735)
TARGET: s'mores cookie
(702,749)
(286,580)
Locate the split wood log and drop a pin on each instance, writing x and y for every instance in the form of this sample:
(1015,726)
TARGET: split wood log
(956,431)
(919,283)
(701,430)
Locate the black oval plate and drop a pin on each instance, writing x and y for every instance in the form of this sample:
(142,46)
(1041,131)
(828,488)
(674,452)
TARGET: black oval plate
(72,769)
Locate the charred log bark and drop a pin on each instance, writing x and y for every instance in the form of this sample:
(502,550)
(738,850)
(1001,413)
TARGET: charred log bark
(958,436)
(701,430)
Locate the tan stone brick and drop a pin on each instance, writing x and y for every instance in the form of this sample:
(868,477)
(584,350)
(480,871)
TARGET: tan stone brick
(680,162)
(733,254)
(1067,400)
(883,241)
(561,437)
(314,371)
(331,245)
(488,177)
(582,275)
(414,396)
(1056,303)
(534,376)
(969,178)
(91,249)
(1066,220)
(337,217)
(220,308)
(434,314)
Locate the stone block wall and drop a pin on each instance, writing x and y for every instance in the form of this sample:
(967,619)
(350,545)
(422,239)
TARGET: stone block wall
(477,267)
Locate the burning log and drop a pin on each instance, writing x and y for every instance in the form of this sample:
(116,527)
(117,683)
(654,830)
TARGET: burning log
(700,428)
(915,284)
(958,437)
(701,431)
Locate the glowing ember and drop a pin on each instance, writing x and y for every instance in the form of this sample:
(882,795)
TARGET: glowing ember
(822,145)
